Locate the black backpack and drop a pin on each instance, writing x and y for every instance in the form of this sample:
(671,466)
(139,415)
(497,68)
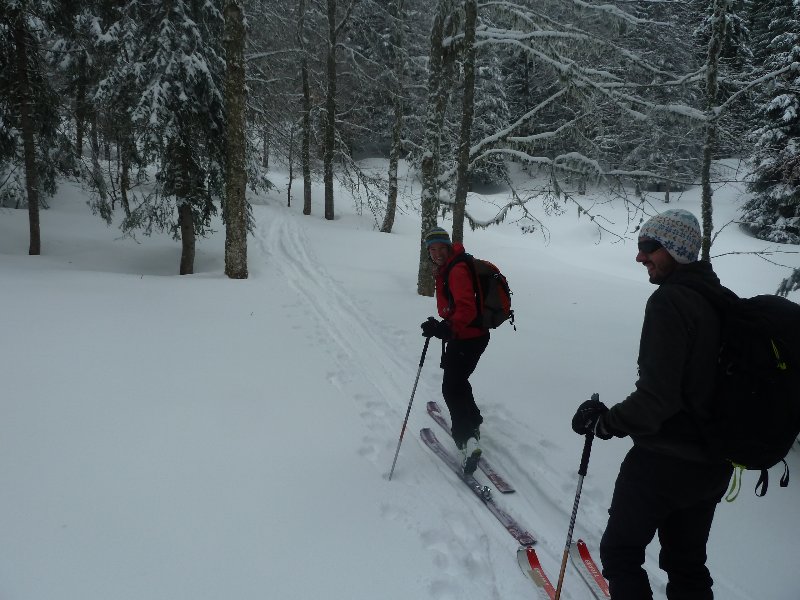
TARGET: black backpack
(492,294)
(756,409)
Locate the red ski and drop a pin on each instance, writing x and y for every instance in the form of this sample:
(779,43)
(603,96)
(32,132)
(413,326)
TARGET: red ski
(588,569)
(530,565)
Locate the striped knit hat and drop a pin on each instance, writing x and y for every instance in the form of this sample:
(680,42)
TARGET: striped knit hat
(437,235)
(678,231)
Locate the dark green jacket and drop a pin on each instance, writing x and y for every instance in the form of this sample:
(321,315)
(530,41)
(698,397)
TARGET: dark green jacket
(677,356)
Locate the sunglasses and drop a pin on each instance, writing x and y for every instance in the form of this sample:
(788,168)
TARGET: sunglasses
(649,246)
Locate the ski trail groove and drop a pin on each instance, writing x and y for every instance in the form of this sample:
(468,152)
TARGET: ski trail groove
(367,367)
(465,537)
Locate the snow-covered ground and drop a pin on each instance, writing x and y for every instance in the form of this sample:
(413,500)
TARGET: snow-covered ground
(166,437)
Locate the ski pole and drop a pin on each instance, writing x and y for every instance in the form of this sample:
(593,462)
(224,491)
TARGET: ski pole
(410,402)
(584,466)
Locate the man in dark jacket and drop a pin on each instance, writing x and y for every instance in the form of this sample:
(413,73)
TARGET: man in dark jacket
(465,343)
(669,482)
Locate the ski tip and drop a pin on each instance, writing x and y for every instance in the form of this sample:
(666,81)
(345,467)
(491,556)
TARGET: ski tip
(530,565)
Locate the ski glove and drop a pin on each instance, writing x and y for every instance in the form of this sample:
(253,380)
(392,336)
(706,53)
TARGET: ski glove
(438,329)
(589,419)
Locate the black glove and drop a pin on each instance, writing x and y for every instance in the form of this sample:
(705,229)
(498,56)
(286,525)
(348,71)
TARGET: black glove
(434,328)
(588,419)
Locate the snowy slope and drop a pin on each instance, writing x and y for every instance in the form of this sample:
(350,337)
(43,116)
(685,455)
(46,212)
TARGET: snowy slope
(196,437)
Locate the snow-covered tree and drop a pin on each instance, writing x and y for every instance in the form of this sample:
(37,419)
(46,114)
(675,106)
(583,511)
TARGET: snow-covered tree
(735,63)
(441,71)
(336,21)
(467,114)
(601,90)
(171,58)
(492,113)
(81,56)
(285,74)
(397,61)
(774,212)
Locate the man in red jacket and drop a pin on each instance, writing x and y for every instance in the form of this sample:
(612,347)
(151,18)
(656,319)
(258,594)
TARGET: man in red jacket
(465,342)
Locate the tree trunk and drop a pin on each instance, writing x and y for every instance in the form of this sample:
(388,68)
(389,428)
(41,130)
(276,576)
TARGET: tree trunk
(265,143)
(80,107)
(396,13)
(527,84)
(467,112)
(329,138)
(305,152)
(235,171)
(186,222)
(394,159)
(27,125)
(291,167)
(97,171)
(439,75)
(116,177)
(125,177)
(306,143)
(712,65)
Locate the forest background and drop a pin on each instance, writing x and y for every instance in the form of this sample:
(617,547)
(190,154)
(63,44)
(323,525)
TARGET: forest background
(168,111)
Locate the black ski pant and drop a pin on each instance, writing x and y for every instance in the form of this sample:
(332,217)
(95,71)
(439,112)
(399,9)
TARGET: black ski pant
(459,359)
(674,497)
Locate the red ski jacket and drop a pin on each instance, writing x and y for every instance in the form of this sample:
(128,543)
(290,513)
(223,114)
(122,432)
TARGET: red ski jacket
(463,309)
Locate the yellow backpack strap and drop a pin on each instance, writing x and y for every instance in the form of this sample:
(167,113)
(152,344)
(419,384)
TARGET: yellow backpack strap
(736,483)
(761,484)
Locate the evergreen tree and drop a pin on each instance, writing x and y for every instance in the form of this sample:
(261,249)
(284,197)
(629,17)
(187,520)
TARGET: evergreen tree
(81,57)
(30,148)
(492,113)
(170,68)
(774,212)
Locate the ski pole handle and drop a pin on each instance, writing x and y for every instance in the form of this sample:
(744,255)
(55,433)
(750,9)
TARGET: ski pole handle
(424,352)
(587,450)
(587,446)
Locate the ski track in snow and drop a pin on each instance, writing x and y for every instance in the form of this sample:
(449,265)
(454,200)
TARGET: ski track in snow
(366,368)
(337,318)
(369,372)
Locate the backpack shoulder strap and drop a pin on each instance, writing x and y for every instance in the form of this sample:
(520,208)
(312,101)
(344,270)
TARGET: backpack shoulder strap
(722,300)
(459,258)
